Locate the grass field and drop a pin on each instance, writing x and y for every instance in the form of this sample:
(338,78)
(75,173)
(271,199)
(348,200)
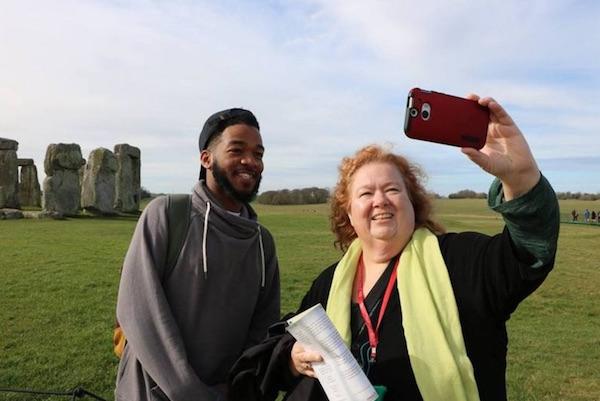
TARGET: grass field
(59,284)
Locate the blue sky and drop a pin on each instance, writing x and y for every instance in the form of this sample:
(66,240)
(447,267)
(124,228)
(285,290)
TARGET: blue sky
(323,77)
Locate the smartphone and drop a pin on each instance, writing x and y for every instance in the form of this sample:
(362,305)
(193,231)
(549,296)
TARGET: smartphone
(451,120)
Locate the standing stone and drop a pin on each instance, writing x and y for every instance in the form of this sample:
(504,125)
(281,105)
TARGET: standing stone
(98,188)
(9,174)
(81,172)
(128,178)
(29,185)
(62,189)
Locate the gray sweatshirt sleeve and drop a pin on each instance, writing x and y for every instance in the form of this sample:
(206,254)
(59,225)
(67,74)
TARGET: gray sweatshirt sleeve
(145,315)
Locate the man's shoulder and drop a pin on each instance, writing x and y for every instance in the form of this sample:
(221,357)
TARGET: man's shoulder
(156,204)
(154,209)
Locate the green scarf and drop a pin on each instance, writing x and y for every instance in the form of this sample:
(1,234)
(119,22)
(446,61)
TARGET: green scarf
(434,339)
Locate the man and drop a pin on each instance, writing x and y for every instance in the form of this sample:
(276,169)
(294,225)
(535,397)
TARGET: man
(186,327)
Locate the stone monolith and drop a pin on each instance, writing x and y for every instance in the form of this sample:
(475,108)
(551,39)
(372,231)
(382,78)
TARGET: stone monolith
(30,193)
(9,174)
(98,186)
(127,181)
(62,189)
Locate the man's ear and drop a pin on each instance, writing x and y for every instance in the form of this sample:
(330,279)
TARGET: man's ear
(206,159)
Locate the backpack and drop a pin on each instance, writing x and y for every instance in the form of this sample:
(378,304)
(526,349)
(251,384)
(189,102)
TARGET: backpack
(178,222)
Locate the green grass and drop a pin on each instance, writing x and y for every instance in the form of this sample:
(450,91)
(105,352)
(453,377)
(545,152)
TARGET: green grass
(59,284)
(60,278)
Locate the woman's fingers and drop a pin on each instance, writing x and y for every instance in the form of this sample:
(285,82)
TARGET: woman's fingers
(302,359)
(479,158)
(472,96)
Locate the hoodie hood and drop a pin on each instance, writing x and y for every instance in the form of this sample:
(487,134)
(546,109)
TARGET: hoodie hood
(247,220)
(243,226)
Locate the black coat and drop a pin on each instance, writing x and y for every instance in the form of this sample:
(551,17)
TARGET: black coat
(489,280)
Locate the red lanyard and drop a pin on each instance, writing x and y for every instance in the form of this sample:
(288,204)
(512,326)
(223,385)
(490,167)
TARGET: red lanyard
(373,334)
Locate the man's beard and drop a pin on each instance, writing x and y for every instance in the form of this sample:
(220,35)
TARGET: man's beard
(225,184)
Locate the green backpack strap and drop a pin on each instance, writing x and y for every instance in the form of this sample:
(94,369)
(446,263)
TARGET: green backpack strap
(178,221)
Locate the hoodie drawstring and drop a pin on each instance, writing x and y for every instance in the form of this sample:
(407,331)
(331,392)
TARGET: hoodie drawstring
(262,257)
(204,259)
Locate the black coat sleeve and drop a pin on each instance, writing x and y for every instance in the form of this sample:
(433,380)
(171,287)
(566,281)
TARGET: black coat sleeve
(487,274)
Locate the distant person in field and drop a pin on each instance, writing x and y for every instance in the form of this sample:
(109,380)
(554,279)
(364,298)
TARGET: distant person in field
(574,215)
(593,216)
(423,311)
(586,215)
(186,327)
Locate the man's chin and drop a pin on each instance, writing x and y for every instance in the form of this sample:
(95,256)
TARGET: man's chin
(245,195)
(241,190)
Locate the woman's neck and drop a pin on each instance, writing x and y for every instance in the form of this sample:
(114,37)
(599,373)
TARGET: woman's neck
(372,271)
(376,257)
(376,252)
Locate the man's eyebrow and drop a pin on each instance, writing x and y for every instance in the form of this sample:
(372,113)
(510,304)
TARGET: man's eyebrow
(244,143)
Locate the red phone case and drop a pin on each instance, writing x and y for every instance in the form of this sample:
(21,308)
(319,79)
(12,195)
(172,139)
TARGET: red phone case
(451,120)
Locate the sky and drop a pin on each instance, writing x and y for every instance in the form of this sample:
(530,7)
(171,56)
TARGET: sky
(324,78)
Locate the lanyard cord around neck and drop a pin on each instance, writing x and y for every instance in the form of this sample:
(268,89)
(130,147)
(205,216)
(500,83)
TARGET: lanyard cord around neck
(373,333)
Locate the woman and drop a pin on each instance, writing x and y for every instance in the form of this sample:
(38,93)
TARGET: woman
(423,311)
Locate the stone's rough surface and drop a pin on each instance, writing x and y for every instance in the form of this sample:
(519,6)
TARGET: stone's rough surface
(51,215)
(62,192)
(62,188)
(9,174)
(127,181)
(29,186)
(8,144)
(98,187)
(25,162)
(82,172)
(10,214)
(126,149)
(63,156)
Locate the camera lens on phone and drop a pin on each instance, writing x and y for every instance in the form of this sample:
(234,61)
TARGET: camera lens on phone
(425,111)
(414,112)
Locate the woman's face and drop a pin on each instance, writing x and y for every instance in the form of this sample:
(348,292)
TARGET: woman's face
(380,208)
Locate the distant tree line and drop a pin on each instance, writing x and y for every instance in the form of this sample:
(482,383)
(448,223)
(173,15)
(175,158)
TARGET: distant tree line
(321,195)
(302,196)
(577,195)
(145,194)
(467,194)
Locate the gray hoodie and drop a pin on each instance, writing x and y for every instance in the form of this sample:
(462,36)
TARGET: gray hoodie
(186,328)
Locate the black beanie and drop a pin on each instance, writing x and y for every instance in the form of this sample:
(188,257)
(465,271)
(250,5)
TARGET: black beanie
(218,122)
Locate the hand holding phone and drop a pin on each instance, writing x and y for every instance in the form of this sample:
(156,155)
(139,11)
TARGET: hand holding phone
(451,120)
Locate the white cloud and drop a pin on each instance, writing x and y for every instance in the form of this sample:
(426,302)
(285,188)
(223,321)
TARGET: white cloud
(323,77)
